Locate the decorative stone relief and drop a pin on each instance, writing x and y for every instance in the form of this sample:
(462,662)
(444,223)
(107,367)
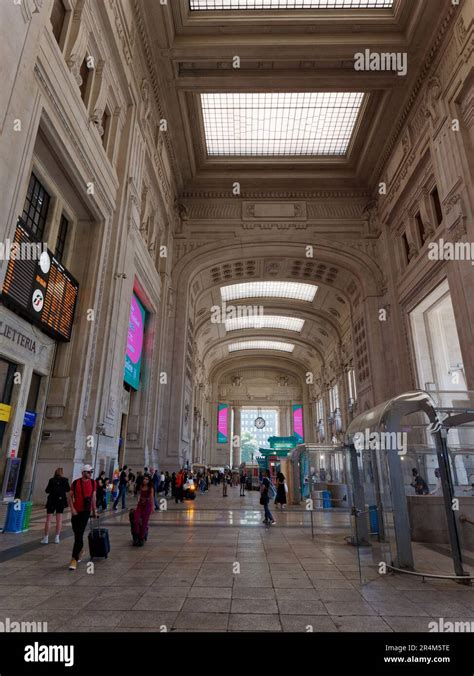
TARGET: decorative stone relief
(145,93)
(432,97)
(455,215)
(274,210)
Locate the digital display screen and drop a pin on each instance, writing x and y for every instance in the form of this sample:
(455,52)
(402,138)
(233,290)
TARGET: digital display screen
(38,287)
(222,423)
(136,332)
(298,422)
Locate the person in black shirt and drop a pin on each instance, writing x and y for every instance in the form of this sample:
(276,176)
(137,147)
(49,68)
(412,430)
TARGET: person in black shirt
(418,483)
(122,488)
(101,483)
(56,489)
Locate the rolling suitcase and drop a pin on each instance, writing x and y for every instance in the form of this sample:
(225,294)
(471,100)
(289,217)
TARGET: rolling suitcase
(99,543)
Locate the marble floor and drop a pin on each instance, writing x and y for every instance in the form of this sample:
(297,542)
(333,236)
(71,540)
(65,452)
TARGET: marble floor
(211,565)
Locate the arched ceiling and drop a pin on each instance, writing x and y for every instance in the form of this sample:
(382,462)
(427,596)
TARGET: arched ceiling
(326,318)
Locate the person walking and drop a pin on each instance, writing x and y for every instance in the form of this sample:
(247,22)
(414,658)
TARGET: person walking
(243,479)
(122,488)
(82,502)
(143,510)
(167,484)
(281,490)
(156,486)
(57,490)
(101,490)
(224,485)
(179,486)
(266,490)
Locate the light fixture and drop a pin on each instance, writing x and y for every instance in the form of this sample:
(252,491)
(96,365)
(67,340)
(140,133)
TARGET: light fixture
(290,290)
(265,322)
(222,5)
(261,345)
(273,124)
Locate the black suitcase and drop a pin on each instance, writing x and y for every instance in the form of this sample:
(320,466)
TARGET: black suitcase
(99,542)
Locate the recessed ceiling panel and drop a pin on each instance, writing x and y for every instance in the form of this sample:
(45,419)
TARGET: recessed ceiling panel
(219,5)
(265,322)
(291,290)
(261,345)
(279,124)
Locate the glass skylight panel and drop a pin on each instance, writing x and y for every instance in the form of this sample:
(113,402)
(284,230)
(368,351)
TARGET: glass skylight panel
(265,322)
(219,5)
(261,345)
(292,290)
(279,124)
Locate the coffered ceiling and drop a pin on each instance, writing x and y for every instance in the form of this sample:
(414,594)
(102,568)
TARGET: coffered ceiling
(284,51)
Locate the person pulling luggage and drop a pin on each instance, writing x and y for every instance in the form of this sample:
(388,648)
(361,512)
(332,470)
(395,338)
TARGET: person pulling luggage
(82,503)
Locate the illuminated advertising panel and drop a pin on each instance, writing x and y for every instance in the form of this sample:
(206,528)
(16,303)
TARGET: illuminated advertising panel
(133,356)
(222,423)
(298,422)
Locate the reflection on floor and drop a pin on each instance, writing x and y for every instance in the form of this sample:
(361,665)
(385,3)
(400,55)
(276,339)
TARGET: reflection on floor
(211,565)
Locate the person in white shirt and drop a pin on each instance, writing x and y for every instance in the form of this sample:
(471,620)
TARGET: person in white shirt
(438,490)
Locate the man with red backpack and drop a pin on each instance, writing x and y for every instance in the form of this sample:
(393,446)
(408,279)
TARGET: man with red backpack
(82,503)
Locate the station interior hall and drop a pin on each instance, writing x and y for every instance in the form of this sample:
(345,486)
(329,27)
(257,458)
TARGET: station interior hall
(237,251)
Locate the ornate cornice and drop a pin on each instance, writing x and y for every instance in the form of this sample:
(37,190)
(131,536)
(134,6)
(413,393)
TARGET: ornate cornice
(152,73)
(276,194)
(416,89)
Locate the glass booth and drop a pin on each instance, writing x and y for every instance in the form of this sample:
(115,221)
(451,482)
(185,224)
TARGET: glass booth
(411,466)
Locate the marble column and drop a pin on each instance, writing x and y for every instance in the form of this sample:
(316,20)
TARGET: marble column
(236,437)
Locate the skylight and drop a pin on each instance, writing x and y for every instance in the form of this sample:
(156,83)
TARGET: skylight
(261,345)
(265,322)
(279,124)
(289,4)
(293,290)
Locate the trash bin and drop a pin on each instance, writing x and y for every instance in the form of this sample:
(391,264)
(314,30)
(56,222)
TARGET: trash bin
(26,516)
(14,518)
(317,499)
(327,503)
(373,519)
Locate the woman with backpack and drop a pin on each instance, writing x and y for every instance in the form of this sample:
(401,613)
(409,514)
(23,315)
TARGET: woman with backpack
(143,510)
(57,489)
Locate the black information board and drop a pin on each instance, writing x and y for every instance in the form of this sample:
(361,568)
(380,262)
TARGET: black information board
(38,287)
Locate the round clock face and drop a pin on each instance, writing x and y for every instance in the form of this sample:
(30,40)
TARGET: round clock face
(260,423)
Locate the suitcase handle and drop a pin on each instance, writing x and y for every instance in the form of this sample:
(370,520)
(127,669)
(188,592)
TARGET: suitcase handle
(96,519)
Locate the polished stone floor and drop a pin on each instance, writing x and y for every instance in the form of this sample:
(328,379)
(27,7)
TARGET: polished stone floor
(210,565)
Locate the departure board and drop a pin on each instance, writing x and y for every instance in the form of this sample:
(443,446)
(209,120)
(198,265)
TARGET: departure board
(38,287)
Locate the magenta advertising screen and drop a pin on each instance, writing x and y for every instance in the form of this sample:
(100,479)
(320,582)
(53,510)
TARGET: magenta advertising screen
(298,422)
(133,356)
(222,423)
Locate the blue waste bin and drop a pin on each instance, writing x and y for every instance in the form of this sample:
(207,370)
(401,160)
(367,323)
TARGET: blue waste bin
(15,517)
(374,519)
(327,504)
